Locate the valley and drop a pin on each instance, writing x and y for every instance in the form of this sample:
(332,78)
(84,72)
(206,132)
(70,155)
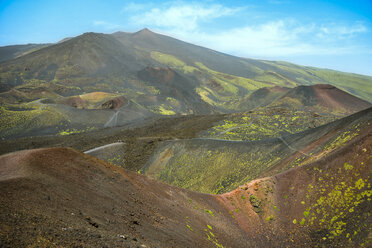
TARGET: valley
(142,140)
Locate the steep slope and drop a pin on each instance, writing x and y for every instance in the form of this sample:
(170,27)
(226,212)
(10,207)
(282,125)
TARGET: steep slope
(261,73)
(59,197)
(323,99)
(279,111)
(329,199)
(262,97)
(355,84)
(76,66)
(123,54)
(12,52)
(178,88)
(87,55)
(160,75)
(148,41)
(218,166)
(78,200)
(266,122)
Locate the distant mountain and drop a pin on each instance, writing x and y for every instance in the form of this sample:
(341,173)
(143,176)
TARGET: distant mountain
(321,98)
(111,62)
(12,52)
(158,75)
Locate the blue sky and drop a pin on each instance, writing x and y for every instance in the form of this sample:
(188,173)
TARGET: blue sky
(327,34)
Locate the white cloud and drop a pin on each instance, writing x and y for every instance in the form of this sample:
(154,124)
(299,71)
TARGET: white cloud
(106,25)
(275,38)
(182,16)
(341,32)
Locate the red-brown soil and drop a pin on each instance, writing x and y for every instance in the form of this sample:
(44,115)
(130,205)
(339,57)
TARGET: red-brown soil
(94,100)
(160,74)
(58,197)
(322,98)
(328,188)
(334,98)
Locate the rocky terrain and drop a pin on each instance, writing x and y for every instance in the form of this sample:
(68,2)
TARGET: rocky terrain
(143,140)
(57,197)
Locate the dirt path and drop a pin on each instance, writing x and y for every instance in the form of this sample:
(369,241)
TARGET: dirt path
(103,147)
(291,148)
(113,121)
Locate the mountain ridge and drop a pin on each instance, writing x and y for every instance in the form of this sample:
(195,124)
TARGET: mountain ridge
(216,61)
(171,144)
(160,75)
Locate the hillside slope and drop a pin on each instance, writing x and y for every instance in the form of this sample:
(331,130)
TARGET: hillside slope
(278,111)
(260,72)
(11,52)
(59,197)
(218,166)
(121,55)
(80,200)
(161,76)
(321,98)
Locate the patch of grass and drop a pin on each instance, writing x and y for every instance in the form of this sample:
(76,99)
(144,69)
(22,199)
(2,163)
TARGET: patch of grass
(20,121)
(270,218)
(256,203)
(189,227)
(262,123)
(336,198)
(232,80)
(74,130)
(302,222)
(172,61)
(209,212)
(341,140)
(214,170)
(162,110)
(210,236)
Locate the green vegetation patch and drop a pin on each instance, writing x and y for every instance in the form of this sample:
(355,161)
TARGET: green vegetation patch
(216,169)
(162,110)
(256,203)
(210,236)
(74,130)
(232,80)
(20,121)
(265,123)
(341,140)
(172,61)
(338,202)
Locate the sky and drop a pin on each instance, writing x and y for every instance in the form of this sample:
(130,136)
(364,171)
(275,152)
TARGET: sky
(328,34)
